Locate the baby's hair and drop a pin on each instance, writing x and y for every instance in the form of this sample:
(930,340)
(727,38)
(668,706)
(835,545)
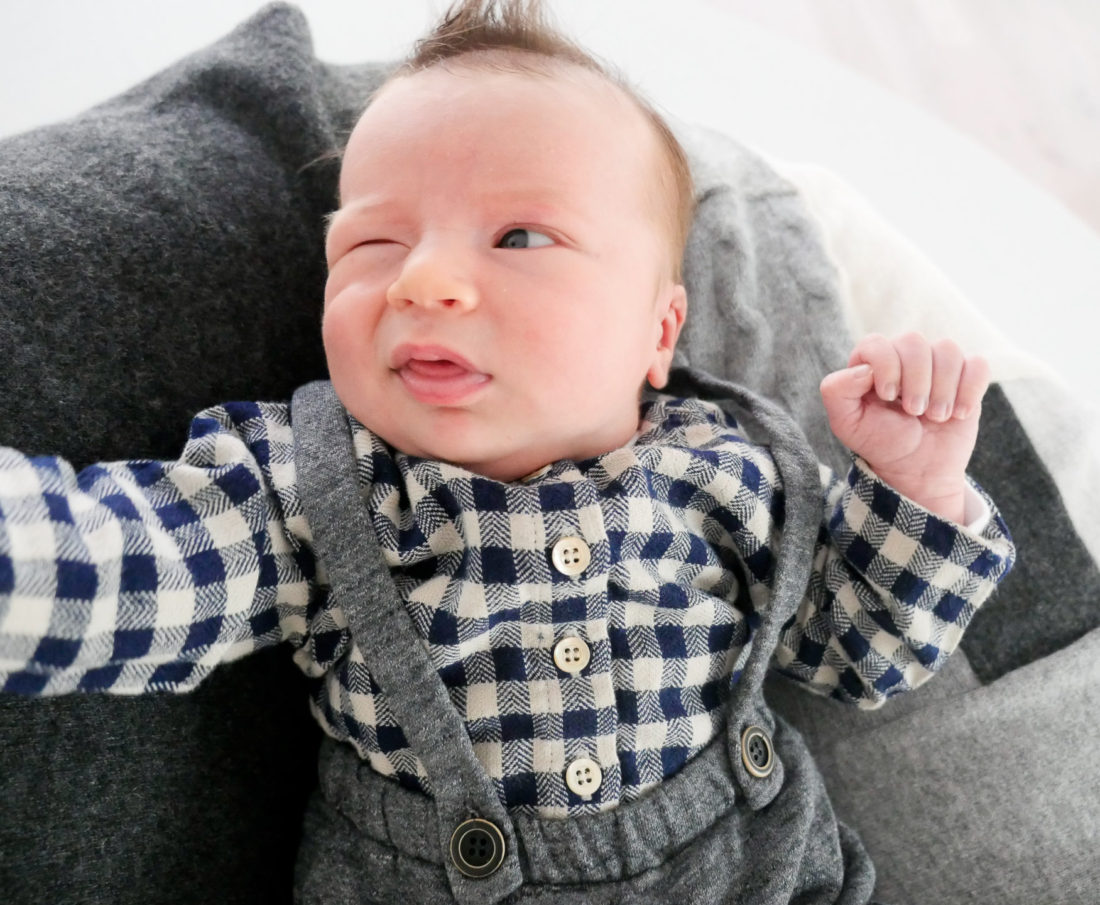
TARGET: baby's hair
(515,35)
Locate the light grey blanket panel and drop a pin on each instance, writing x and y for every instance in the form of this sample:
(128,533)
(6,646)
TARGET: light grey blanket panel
(763,303)
(983,779)
(997,784)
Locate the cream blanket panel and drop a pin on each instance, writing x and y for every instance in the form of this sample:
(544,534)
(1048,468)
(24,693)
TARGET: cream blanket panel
(888,286)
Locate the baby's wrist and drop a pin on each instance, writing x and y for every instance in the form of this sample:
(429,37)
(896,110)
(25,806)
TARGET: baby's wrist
(951,507)
(944,495)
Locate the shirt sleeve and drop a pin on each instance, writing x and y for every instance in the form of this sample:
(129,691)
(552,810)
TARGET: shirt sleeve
(892,590)
(142,576)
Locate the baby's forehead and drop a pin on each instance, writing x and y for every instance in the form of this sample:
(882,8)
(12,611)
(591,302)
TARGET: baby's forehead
(486,70)
(566,112)
(484,82)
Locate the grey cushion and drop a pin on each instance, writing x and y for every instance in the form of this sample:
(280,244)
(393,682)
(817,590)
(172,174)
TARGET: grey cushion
(159,254)
(163,252)
(980,785)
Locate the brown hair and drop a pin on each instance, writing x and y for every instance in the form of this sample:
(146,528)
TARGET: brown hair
(516,35)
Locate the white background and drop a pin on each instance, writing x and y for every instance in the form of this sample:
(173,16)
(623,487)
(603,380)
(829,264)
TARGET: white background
(1024,260)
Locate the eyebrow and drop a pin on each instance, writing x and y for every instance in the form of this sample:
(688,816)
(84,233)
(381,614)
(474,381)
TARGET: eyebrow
(356,209)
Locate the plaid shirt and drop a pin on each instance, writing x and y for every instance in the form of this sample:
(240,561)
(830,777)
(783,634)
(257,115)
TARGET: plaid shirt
(143,576)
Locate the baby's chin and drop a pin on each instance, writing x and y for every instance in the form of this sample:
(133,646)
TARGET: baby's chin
(510,466)
(506,468)
(496,463)
(476,455)
(503,453)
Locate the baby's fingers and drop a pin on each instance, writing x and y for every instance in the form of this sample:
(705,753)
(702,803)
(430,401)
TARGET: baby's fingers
(972,386)
(850,383)
(947,368)
(915,354)
(878,352)
(843,392)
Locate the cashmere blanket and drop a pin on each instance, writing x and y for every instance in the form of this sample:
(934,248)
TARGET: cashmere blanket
(163,252)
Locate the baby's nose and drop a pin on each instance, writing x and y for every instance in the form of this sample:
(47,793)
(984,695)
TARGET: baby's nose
(434,277)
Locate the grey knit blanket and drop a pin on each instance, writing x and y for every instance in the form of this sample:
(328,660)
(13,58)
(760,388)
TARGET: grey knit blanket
(163,252)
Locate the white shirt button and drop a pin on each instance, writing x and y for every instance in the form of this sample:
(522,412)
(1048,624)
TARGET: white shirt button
(583,777)
(572,654)
(571,555)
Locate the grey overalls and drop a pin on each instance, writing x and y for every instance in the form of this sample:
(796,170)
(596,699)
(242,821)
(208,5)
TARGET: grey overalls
(746,821)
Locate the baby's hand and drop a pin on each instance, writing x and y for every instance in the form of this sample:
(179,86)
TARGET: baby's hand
(910,408)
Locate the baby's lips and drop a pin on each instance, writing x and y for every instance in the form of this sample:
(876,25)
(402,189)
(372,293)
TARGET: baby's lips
(430,360)
(436,369)
(441,383)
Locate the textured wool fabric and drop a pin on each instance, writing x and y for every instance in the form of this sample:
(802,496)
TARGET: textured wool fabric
(198,798)
(974,770)
(764,301)
(158,254)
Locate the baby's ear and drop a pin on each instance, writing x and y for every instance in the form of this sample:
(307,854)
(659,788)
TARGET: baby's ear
(672,310)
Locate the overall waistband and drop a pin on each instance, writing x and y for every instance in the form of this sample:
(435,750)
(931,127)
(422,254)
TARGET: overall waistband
(620,843)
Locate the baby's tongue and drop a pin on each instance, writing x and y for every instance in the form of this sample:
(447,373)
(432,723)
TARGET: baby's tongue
(437,369)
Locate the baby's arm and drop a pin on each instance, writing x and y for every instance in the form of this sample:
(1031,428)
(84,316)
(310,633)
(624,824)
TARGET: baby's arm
(142,576)
(910,409)
(892,589)
(897,573)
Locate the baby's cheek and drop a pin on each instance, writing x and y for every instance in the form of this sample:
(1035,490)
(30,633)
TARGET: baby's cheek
(343,335)
(332,329)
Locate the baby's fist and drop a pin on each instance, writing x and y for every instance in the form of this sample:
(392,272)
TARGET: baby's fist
(910,408)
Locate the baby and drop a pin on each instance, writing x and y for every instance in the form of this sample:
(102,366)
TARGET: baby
(536,595)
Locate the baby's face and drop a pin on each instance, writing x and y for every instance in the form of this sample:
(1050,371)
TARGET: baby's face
(499,286)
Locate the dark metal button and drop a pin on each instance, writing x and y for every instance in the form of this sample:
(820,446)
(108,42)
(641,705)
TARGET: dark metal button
(756,752)
(477,847)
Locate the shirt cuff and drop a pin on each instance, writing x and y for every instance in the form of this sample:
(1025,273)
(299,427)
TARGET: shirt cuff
(976,511)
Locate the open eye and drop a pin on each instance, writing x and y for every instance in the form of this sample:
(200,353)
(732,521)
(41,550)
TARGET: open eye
(524,238)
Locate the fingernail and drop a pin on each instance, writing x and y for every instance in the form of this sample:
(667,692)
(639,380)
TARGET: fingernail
(938,412)
(861,371)
(916,406)
(962,413)
(890,392)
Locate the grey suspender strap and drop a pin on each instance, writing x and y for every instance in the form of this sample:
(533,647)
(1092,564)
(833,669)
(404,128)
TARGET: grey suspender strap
(396,655)
(345,541)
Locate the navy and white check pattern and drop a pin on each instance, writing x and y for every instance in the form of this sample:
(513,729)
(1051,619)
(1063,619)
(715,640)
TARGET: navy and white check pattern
(143,576)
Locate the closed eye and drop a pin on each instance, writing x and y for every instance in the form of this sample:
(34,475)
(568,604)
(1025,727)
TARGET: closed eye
(520,237)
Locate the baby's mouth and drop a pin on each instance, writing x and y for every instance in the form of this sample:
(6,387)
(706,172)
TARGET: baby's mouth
(440,369)
(437,376)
